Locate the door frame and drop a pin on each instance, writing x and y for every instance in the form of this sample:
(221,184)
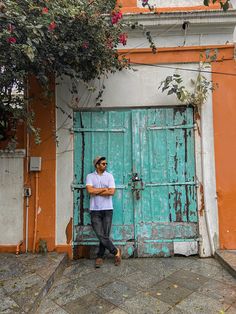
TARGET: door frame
(205,174)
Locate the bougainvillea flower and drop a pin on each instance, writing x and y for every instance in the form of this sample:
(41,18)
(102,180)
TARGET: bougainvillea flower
(11,40)
(85,44)
(52,26)
(123,39)
(45,10)
(115,17)
(110,43)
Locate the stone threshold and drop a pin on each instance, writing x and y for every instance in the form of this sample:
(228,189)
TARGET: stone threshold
(227,258)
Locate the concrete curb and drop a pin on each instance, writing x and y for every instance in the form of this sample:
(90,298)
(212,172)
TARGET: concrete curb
(227,258)
(48,284)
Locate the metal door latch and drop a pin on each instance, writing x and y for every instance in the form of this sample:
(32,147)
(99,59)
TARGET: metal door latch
(137,185)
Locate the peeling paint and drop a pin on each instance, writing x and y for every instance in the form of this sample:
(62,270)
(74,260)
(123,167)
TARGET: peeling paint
(82,173)
(159,208)
(202,203)
(68,231)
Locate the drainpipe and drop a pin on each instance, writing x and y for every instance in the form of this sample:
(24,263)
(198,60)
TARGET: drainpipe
(36,210)
(27,194)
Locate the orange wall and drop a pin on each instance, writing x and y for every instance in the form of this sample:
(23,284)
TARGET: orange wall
(44,108)
(224,99)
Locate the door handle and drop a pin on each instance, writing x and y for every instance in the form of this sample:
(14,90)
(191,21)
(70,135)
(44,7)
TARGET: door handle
(135,177)
(137,185)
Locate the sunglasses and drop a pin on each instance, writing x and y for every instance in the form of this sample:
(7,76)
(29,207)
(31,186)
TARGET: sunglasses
(103,163)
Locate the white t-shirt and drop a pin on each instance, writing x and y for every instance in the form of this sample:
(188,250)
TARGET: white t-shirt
(106,180)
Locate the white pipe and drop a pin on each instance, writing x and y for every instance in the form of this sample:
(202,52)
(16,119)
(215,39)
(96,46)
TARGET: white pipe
(26,224)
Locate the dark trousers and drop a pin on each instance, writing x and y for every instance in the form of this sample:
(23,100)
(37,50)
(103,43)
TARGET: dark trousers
(101,223)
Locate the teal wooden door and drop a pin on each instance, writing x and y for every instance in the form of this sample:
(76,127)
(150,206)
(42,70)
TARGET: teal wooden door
(150,152)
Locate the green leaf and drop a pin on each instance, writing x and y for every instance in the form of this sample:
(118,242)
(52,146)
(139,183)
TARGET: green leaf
(28,50)
(171,91)
(225,6)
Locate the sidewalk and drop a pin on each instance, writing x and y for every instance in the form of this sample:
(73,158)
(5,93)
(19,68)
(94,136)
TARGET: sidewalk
(25,279)
(144,285)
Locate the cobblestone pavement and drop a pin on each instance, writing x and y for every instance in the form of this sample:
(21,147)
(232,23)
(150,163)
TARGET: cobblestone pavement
(144,285)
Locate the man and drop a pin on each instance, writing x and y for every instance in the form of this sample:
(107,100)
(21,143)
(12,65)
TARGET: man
(101,187)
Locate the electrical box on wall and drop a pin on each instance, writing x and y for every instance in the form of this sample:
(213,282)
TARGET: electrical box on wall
(35,163)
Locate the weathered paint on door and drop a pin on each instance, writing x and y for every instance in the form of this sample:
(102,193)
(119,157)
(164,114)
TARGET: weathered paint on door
(150,152)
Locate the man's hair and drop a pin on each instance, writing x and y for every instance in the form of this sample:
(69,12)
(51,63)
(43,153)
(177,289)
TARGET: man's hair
(102,159)
(98,159)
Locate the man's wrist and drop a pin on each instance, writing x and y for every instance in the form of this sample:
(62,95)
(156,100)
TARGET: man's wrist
(101,190)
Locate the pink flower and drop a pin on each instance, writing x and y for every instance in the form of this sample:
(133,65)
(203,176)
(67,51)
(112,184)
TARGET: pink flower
(52,26)
(85,45)
(110,43)
(123,39)
(45,10)
(11,40)
(116,16)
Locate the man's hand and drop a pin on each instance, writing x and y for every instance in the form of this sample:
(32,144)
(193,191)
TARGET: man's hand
(94,191)
(100,191)
(108,192)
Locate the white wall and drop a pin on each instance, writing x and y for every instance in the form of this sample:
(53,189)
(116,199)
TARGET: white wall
(137,88)
(11,197)
(172,3)
(64,163)
(166,39)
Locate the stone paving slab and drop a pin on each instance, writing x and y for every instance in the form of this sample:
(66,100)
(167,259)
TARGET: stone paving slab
(187,279)
(199,303)
(145,304)
(25,279)
(90,304)
(169,292)
(219,291)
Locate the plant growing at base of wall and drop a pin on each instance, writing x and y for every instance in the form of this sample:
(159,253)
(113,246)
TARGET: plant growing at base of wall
(61,37)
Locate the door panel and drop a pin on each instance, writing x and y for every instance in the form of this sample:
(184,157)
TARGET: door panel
(106,134)
(164,156)
(150,152)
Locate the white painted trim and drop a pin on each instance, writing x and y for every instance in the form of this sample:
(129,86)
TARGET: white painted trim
(204,243)
(212,27)
(205,172)
(64,162)
(210,17)
(17,153)
(171,3)
(208,173)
